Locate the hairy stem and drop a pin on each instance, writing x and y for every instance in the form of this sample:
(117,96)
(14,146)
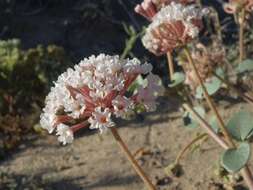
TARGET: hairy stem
(170,64)
(131,159)
(209,100)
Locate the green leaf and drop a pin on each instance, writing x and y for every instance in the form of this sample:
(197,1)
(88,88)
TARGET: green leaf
(240,126)
(235,159)
(220,72)
(214,124)
(200,110)
(213,86)
(189,119)
(245,66)
(177,78)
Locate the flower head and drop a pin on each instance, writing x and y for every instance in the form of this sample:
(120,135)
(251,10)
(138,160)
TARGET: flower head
(149,8)
(235,6)
(173,26)
(93,92)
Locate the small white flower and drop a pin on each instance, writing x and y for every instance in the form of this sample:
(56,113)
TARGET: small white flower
(132,66)
(146,68)
(155,84)
(46,121)
(101,119)
(147,98)
(65,134)
(122,105)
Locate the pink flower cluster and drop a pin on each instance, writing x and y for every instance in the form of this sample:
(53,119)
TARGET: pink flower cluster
(174,23)
(234,6)
(172,27)
(94,91)
(149,8)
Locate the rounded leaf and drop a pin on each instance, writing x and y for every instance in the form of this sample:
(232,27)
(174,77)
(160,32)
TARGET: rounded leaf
(212,87)
(235,159)
(189,119)
(240,126)
(177,78)
(245,66)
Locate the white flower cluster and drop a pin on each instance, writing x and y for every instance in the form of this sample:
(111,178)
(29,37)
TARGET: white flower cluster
(94,91)
(172,13)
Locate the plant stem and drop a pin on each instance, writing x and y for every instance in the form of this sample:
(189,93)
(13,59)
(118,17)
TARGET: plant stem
(217,23)
(209,100)
(247,176)
(245,172)
(206,126)
(182,152)
(239,93)
(130,157)
(241,35)
(170,64)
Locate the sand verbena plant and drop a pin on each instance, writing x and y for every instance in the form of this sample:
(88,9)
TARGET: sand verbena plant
(96,90)
(173,28)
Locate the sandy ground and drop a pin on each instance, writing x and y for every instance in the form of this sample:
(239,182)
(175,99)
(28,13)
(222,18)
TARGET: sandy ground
(97,163)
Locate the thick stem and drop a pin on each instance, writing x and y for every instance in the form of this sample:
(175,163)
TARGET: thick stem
(244,96)
(245,172)
(131,159)
(241,35)
(170,64)
(209,100)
